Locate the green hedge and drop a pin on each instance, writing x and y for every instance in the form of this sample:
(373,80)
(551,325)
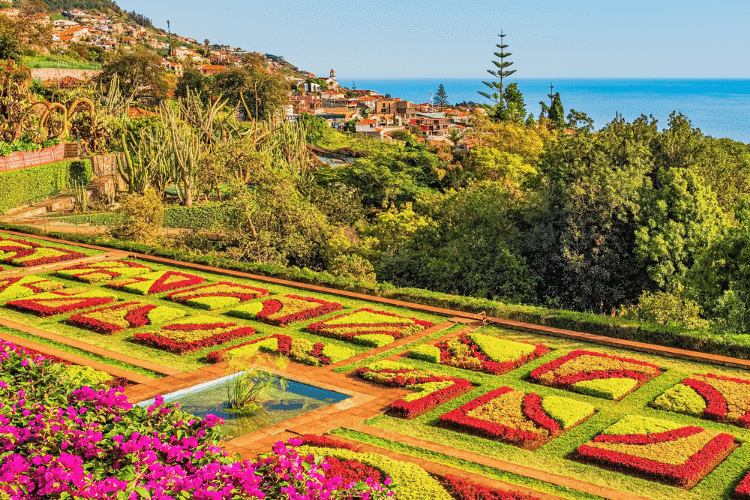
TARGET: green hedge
(196,217)
(666,335)
(29,185)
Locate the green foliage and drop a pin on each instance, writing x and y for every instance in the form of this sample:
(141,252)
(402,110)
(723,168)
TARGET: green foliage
(34,184)
(138,74)
(142,219)
(681,399)
(636,424)
(264,94)
(373,339)
(203,216)
(667,308)
(162,314)
(11,45)
(426,352)
(677,222)
(501,350)
(86,376)
(337,353)
(608,388)
(566,411)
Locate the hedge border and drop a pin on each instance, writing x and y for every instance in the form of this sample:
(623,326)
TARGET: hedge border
(28,185)
(670,336)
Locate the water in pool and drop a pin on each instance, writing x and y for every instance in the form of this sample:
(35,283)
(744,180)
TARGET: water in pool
(277,404)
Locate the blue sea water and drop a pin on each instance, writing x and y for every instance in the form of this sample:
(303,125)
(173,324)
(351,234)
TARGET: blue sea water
(719,108)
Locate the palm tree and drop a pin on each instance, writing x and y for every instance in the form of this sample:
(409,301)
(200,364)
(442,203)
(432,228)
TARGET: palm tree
(455,136)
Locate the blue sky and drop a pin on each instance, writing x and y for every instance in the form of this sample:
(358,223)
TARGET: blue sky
(456,39)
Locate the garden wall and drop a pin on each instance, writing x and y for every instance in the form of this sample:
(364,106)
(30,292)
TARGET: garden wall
(30,185)
(28,159)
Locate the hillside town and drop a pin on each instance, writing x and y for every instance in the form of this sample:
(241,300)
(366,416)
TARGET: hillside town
(365,112)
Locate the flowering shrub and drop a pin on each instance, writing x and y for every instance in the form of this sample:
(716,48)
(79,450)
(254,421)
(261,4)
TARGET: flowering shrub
(109,320)
(96,272)
(26,253)
(479,352)
(61,301)
(709,396)
(90,443)
(368,322)
(467,490)
(581,371)
(192,334)
(156,282)
(281,311)
(680,455)
(430,395)
(512,416)
(217,295)
(26,286)
(301,350)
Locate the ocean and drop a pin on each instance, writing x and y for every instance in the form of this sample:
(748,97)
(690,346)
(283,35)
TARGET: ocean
(719,108)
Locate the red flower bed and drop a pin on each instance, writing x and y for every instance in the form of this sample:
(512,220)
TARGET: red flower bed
(653,438)
(243,293)
(413,377)
(284,347)
(682,474)
(101,271)
(563,372)
(742,491)
(212,334)
(488,365)
(19,249)
(348,331)
(464,489)
(59,305)
(327,442)
(137,316)
(156,282)
(272,308)
(716,405)
(532,409)
(459,419)
(351,471)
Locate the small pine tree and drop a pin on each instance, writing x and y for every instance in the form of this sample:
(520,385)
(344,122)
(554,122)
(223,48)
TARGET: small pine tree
(441,97)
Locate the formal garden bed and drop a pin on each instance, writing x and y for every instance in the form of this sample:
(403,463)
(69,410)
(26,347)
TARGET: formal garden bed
(217,295)
(456,391)
(595,373)
(658,449)
(524,419)
(476,351)
(26,252)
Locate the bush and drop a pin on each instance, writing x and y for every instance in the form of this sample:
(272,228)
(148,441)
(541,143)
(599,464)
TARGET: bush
(666,308)
(426,352)
(142,219)
(29,185)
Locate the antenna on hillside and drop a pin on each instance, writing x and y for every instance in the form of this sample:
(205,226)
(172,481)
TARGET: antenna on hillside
(431,99)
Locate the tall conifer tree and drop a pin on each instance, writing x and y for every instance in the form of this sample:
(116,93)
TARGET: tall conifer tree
(500,73)
(441,97)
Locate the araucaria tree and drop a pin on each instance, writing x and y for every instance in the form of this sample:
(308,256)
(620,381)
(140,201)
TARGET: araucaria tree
(441,97)
(502,72)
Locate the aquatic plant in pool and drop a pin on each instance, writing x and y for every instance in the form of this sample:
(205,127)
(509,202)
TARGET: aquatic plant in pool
(282,399)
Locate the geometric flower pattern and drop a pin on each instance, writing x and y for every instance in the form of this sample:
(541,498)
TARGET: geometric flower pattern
(193,333)
(156,282)
(596,374)
(25,253)
(517,417)
(665,451)
(217,295)
(725,399)
(112,319)
(95,272)
(368,322)
(281,311)
(61,301)
(26,286)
